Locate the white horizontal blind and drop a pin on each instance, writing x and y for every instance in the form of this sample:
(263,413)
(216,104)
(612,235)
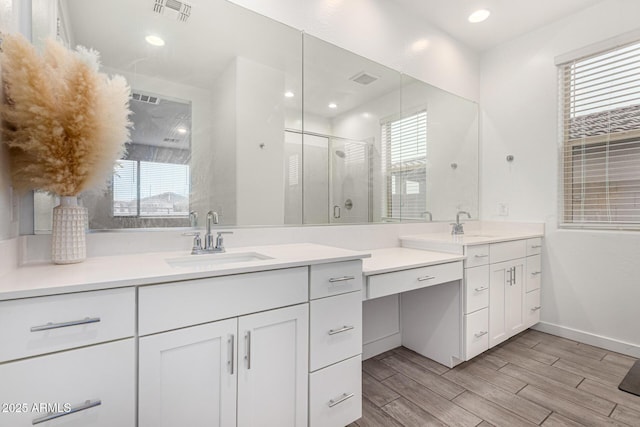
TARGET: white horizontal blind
(151,189)
(601,140)
(404,152)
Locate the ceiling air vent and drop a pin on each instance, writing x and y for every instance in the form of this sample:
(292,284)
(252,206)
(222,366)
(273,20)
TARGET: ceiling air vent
(149,99)
(174,8)
(363,78)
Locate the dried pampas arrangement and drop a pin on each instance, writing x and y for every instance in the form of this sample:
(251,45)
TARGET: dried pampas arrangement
(65,122)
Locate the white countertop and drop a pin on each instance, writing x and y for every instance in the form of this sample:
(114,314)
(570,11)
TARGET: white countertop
(455,243)
(149,268)
(395,259)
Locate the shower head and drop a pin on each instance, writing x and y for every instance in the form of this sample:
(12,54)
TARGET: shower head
(340,154)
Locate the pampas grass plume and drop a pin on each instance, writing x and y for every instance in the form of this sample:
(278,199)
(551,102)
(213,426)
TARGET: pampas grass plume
(65,123)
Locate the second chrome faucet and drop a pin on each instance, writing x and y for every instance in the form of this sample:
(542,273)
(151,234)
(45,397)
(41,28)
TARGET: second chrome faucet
(211,245)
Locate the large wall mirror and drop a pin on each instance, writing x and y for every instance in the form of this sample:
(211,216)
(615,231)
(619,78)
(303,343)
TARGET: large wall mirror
(266,127)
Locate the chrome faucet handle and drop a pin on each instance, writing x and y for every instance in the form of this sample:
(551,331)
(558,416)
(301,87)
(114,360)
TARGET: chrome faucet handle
(220,241)
(197,241)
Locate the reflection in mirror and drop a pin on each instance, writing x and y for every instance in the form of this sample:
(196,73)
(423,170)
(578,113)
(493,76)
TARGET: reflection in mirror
(433,154)
(242,89)
(346,98)
(228,133)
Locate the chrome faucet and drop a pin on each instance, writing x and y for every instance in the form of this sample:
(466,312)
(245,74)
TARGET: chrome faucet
(212,217)
(209,245)
(425,213)
(457,226)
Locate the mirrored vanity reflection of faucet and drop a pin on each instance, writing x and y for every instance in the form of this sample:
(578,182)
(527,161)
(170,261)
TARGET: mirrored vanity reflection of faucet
(457,226)
(210,245)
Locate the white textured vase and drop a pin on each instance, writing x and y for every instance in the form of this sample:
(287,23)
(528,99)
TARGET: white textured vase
(68,242)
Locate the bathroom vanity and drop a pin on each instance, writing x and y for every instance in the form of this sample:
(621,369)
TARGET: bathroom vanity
(501,287)
(273,336)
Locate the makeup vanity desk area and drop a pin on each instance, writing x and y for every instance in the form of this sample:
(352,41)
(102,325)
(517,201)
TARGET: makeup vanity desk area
(459,295)
(430,285)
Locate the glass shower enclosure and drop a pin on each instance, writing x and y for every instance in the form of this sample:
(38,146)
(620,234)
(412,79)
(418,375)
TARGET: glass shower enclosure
(327,179)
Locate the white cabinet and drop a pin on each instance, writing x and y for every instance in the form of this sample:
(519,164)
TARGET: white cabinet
(188,376)
(92,386)
(505,300)
(502,292)
(273,368)
(86,380)
(335,335)
(255,366)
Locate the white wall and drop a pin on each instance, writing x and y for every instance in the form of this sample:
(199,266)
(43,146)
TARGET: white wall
(384,32)
(590,279)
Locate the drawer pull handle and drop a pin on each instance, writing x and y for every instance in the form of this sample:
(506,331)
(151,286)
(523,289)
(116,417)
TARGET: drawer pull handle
(423,278)
(536,246)
(483,288)
(341,279)
(51,325)
(481,334)
(535,273)
(341,399)
(536,308)
(481,255)
(345,328)
(53,415)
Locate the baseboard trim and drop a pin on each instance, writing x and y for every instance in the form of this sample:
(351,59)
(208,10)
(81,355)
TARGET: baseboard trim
(381,345)
(589,338)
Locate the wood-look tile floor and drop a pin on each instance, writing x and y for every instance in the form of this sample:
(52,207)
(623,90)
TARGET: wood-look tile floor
(532,379)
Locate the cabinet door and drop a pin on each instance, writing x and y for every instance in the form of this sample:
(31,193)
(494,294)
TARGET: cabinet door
(188,377)
(505,300)
(97,383)
(514,299)
(273,368)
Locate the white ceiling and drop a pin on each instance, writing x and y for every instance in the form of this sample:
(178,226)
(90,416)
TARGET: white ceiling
(509,18)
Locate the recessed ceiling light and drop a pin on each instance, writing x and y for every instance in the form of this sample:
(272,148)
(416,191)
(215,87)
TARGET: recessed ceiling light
(289,94)
(333,105)
(182,130)
(419,45)
(154,40)
(479,16)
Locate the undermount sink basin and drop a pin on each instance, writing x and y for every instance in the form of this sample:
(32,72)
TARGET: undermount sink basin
(213,260)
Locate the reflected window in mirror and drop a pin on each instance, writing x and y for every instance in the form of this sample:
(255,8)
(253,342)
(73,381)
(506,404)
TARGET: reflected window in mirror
(404,154)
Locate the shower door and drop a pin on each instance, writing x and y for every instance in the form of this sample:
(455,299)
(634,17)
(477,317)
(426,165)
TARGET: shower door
(349,187)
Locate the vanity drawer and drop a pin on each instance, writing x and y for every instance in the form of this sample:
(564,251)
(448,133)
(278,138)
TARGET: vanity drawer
(476,327)
(534,246)
(39,325)
(506,251)
(380,285)
(191,302)
(476,295)
(335,394)
(531,308)
(534,273)
(102,373)
(476,255)
(335,331)
(335,278)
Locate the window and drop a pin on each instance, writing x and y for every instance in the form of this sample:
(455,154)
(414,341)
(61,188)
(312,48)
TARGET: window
(150,189)
(600,169)
(404,160)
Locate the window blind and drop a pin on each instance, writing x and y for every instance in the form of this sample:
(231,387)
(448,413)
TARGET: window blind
(404,153)
(600,128)
(151,189)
